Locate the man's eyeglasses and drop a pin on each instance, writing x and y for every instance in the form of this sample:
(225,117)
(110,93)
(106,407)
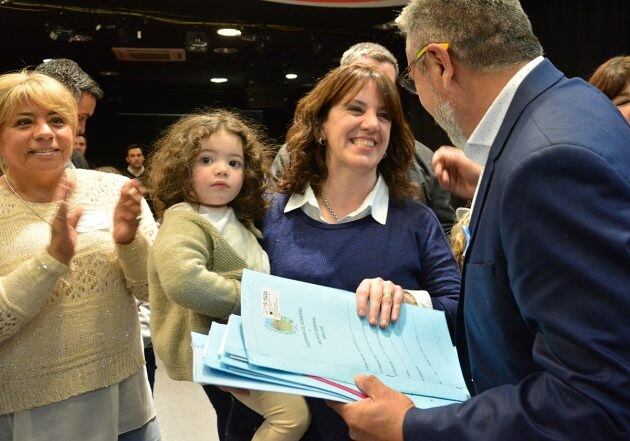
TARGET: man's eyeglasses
(405,79)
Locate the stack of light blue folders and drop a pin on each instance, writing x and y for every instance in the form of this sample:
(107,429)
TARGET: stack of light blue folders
(305,339)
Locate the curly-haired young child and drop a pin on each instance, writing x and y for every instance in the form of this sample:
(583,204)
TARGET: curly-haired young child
(207,179)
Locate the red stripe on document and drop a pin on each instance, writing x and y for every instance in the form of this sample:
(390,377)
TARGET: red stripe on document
(338,386)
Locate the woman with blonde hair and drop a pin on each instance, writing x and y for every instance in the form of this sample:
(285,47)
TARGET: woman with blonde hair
(73,247)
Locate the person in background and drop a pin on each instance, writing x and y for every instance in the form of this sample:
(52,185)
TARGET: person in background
(135,163)
(613,78)
(346,216)
(421,170)
(80,143)
(80,146)
(84,89)
(460,235)
(136,170)
(540,331)
(73,258)
(208,173)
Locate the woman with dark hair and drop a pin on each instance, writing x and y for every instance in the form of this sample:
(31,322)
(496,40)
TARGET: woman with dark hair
(344,217)
(613,78)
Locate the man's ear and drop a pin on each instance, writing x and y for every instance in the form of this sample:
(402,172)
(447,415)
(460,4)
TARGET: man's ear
(440,66)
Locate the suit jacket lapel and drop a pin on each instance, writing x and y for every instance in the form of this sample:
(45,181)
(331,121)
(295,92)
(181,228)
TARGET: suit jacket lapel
(540,79)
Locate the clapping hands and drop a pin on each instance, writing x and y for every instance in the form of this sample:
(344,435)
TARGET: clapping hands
(127,212)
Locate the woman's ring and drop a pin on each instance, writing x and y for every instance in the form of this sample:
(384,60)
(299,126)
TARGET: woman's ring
(387,294)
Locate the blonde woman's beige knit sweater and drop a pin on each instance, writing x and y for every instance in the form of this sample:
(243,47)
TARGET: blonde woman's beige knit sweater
(66,330)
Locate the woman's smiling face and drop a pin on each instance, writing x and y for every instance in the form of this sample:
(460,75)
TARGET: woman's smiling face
(35,139)
(357,130)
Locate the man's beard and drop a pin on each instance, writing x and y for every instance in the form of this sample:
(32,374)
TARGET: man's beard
(444,116)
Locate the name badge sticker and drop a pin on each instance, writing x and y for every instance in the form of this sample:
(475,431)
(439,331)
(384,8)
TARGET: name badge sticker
(94,220)
(271,303)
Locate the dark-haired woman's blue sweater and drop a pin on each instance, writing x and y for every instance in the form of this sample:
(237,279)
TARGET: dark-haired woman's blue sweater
(410,250)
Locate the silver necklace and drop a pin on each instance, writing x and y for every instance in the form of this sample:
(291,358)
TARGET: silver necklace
(26,204)
(329,208)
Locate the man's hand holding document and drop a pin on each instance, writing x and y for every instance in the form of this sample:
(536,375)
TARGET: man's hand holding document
(305,339)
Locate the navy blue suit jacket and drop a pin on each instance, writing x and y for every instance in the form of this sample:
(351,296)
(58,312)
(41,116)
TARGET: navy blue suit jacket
(544,320)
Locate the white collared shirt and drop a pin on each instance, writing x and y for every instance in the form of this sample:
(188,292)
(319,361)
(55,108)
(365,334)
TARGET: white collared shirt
(478,145)
(133,173)
(375,204)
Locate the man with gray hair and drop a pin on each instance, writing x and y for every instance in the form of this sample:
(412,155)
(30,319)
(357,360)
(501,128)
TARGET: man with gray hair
(421,170)
(84,89)
(360,51)
(540,331)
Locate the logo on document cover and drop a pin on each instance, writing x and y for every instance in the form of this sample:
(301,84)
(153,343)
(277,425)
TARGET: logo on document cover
(283,326)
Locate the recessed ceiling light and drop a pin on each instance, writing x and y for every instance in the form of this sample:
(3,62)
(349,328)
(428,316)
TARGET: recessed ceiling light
(80,38)
(225,50)
(290,76)
(47,60)
(218,80)
(229,32)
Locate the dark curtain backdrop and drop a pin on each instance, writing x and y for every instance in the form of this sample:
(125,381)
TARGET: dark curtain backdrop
(576,35)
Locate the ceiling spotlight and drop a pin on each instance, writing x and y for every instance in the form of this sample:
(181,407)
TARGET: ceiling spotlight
(218,80)
(80,38)
(225,50)
(290,76)
(47,60)
(65,34)
(229,32)
(196,42)
(60,33)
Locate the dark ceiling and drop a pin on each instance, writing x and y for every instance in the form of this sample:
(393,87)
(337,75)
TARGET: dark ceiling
(277,39)
(143,97)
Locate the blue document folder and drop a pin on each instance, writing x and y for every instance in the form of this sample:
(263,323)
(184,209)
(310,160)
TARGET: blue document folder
(234,359)
(208,368)
(204,374)
(314,330)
